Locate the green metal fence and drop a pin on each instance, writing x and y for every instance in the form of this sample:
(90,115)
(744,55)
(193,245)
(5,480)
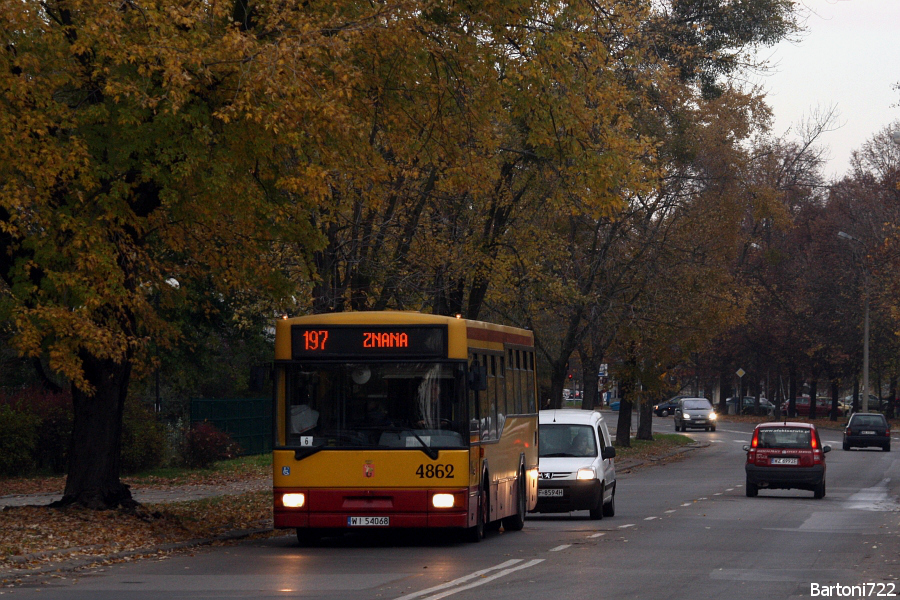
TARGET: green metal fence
(247,420)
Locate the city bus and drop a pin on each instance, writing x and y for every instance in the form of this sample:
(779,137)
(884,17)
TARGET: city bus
(403,420)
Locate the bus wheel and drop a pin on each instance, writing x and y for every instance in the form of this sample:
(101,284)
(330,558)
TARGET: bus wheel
(476,534)
(517,521)
(309,537)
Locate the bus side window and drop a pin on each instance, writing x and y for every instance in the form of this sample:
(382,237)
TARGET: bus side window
(530,381)
(502,400)
(474,394)
(486,410)
(512,404)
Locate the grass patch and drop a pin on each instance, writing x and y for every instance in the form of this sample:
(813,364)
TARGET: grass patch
(661,444)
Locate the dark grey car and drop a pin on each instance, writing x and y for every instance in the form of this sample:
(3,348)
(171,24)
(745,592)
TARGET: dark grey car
(696,413)
(868,429)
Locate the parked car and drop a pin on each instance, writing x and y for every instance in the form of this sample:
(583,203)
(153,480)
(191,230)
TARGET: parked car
(875,402)
(664,409)
(614,405)
(823,406)
(576,461)
(786,455)
(696,413)
(867,429)
(748,405)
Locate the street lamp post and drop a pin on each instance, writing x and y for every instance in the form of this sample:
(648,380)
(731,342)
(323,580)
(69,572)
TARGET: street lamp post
(865,390)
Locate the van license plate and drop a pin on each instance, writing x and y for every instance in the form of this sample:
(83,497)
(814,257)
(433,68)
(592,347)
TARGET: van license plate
(368,521)
(784,461)
(550,492)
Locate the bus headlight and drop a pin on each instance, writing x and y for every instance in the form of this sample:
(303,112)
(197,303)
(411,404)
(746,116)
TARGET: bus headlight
(293,500)
(442,501)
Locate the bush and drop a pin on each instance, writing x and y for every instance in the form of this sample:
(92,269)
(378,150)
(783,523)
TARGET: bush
(53,412)
(204,445)
(18,437)
(143,439)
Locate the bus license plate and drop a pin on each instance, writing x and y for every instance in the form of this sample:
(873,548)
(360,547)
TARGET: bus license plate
(784,461)
(551,492)
(368,521)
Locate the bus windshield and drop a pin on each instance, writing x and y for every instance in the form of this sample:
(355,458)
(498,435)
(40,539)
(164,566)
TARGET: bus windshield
(375,405)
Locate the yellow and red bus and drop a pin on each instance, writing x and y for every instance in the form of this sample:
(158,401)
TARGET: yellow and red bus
(403,420)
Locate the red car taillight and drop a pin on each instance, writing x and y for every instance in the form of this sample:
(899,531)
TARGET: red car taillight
(755,441)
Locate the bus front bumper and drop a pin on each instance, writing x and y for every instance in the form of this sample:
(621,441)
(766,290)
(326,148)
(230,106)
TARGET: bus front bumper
(366,509)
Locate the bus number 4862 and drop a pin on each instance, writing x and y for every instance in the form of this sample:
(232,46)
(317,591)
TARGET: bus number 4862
(435,471)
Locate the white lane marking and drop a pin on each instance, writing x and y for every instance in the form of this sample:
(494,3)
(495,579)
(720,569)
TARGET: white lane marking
(463,588)
(729,490)
(649,518)
(562,547)
(596,535)
(686,504)
(717,494)
(670,511)
(626,526)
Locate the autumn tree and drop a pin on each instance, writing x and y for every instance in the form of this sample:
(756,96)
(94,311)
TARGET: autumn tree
(144,155)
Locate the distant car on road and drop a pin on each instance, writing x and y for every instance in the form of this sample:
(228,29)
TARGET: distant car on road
(786,455)
(696,413)
(868,429)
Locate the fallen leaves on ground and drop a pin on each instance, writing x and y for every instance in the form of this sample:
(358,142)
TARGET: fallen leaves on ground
(33,536)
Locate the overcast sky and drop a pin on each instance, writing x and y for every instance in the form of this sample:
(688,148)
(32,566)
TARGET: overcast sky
(849,59)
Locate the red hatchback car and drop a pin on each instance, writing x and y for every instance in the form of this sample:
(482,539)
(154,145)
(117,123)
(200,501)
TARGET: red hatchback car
(786,456)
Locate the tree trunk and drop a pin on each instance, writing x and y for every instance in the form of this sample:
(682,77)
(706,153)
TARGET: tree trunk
(95,448)
(557,383)
(779,398)
(723,394)
(645,424)
(835,392)
(591,365)
(792,392)
(813,392)
(623,428)
(892,397)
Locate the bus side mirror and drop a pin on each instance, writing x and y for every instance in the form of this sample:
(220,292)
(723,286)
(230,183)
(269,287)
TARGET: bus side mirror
(477,377)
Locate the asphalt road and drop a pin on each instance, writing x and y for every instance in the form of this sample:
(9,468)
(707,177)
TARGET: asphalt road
(682,530)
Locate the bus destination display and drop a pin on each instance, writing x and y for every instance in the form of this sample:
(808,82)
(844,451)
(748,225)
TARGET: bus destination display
(427,341)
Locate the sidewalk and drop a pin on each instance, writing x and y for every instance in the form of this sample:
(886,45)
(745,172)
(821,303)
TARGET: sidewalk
(152,495)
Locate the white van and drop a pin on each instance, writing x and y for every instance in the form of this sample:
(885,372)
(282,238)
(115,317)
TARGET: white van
(577,463)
